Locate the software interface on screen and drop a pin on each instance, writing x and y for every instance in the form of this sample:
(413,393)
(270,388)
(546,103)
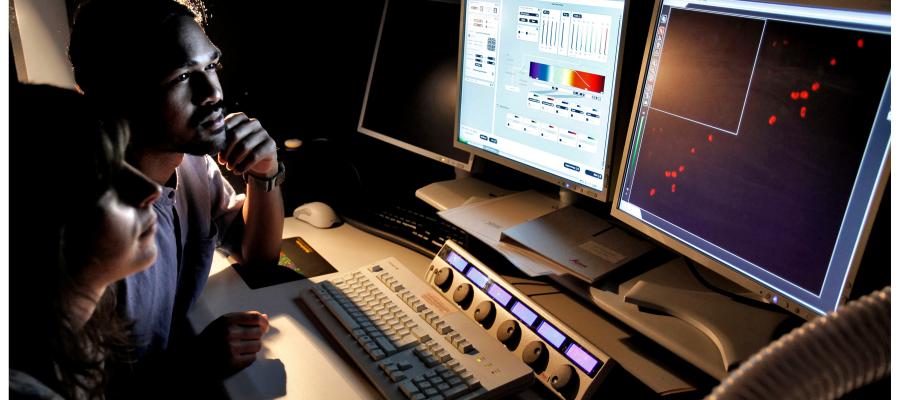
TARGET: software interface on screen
(411,97)
(538,83)
(759,139)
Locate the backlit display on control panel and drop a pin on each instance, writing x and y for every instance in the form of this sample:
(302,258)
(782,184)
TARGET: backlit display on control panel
(524,313)
(456,261)
(497,293)
(553,335)
(581,358)
(477,277)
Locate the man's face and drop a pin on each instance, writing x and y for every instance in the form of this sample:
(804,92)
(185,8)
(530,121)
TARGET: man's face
(190,105)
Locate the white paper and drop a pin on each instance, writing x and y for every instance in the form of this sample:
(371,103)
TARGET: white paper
(487,219)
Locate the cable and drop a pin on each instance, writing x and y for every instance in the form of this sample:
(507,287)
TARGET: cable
(822,359)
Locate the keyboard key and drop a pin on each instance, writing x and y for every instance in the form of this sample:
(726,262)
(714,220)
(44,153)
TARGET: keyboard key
(408,388)
(345,319)
(397,376)
(455,391)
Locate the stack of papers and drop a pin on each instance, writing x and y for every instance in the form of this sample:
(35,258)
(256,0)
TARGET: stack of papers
(486,220)
(539,238)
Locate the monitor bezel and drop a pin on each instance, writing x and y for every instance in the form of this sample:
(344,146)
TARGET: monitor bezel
(603,193)
(760,289)
(465,166)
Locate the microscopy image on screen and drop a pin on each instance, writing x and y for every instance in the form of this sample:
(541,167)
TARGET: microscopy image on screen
(773,189)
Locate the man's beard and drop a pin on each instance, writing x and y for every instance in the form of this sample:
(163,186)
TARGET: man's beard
(210,145)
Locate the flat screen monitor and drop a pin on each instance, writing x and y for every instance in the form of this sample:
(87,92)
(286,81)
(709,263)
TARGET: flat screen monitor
(411,94)
(759,144)
(538,87)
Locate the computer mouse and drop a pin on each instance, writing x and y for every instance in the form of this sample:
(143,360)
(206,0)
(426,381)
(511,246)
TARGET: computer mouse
(317,214)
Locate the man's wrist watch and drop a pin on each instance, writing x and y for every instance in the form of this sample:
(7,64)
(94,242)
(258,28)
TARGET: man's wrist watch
(266,184)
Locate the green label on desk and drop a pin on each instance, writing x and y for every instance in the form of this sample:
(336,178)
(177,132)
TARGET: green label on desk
(297,260)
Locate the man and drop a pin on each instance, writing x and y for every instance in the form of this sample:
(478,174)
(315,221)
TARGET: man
(152,63)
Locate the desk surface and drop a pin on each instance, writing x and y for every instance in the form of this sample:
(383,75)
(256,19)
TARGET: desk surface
(298,361)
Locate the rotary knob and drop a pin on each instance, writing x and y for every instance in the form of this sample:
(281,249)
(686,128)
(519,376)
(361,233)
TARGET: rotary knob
(485,313)
(443,278)
(463,295)
(535,355)
(564,379)
(509,334)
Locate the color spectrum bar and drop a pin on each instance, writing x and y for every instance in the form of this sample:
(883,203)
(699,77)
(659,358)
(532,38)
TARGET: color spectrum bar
(570,77)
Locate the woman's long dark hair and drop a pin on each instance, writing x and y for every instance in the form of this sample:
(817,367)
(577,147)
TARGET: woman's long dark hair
(62,161)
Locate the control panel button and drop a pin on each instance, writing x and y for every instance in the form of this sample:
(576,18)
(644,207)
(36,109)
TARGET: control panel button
(564,379)
(443,278)
(535,355)
(463,295)
(485,313)
(509,334)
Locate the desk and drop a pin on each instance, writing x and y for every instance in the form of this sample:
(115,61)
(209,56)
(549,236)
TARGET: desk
(297,361)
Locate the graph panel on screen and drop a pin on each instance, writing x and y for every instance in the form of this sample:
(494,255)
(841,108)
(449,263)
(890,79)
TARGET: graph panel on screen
(538,87)
(411,94)
(760,143)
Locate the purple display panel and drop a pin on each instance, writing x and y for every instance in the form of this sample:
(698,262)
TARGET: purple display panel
(457,261)
(477,277)
(581,358)
(553,335)
(524,313)
(499,294)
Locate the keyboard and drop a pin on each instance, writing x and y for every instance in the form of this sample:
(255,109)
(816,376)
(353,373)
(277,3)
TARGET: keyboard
(410,342)
(418,225)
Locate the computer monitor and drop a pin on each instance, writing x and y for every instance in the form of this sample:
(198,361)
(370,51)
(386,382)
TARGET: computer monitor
(759,144)
(538,87)
(411,94)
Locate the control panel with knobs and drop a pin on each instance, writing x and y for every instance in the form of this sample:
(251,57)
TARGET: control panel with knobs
(566,363)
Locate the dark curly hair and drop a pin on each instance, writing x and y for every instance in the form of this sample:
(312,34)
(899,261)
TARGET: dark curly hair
(63,160)
(110,41)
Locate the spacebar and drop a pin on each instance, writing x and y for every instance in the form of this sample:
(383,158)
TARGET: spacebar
(341,314)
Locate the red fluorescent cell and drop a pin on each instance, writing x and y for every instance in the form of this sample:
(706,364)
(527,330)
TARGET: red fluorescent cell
(804,95)
(785,42)
(693,150)
(681,168)
(795,95)
(859,43)
(815,86)
(772,120)
(803,112)
(668,174)
(674,174)
(709,138)
(833,62)
(673,188)
(652,192)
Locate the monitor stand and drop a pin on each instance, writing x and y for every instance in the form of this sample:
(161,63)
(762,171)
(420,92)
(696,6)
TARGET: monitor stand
(699,316)
(463,189)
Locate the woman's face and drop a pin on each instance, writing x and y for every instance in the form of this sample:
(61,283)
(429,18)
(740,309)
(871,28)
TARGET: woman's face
(124,227)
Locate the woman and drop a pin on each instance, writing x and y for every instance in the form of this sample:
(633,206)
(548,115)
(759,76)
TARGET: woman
(69,182)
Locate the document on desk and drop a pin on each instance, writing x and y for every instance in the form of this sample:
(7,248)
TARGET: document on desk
(486,220)
(588,246)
